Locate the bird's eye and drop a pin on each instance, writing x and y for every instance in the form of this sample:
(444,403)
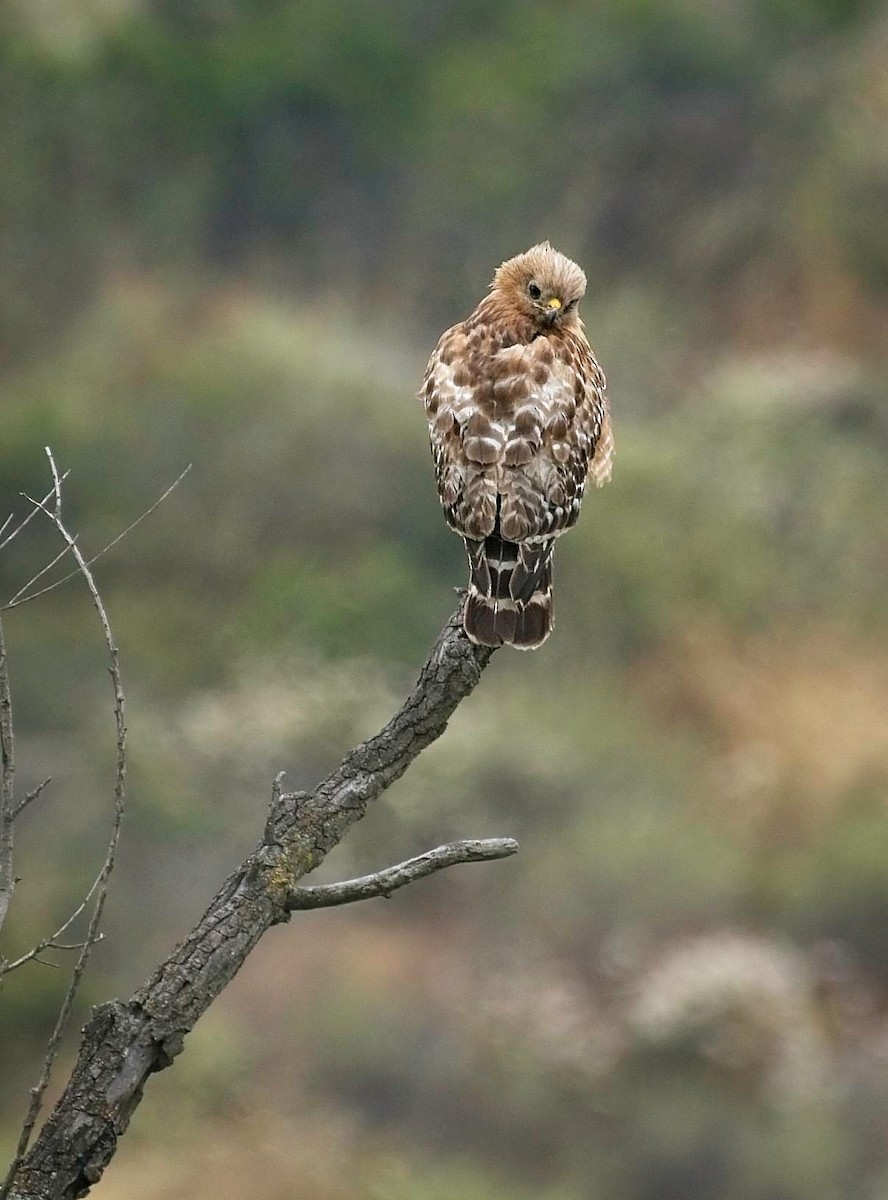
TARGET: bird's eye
(570,306)
(534,291)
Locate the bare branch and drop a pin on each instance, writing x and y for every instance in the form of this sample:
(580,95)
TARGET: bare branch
(101,885)
(15,600)
(7,785)
(34,794)
(126,1041)
(56,485)
(277,788)
(47,944)
(383,883)
(52,942)
(19,598)
(33,513)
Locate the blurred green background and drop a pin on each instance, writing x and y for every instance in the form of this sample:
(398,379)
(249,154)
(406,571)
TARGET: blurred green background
(231,233)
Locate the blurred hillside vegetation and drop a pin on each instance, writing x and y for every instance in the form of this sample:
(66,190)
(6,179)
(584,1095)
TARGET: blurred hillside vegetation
(232,230)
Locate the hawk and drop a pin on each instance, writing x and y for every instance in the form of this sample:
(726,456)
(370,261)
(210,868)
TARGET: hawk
(518,421)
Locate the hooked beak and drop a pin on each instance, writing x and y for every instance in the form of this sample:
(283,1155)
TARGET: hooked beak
(552,309)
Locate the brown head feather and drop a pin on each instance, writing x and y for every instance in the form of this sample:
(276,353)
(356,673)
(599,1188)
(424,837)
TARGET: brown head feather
(541,285)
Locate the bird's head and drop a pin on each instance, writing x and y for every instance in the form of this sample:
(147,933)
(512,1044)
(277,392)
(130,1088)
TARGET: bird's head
(541,285)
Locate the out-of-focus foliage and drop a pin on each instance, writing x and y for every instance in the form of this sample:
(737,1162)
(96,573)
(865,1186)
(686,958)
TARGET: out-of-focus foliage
(232,230)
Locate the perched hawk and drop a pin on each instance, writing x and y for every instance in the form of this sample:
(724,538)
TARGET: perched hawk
(518,422)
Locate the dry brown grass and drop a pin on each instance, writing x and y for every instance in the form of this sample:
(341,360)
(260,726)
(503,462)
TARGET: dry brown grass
(258,1153)
(796,718)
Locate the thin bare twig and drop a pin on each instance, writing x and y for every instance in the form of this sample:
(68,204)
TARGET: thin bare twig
(383,883)
(18,598)
(13,601)
(100,888)
(56,485)
(47,944)
(52,942)
(34,794)
(33,513)
(7,788)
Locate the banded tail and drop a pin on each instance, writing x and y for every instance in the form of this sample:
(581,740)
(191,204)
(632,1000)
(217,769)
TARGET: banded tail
(510,592)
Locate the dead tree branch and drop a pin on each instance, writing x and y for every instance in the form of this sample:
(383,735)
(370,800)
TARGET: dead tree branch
(126,1041)
(99,889)
(383,883)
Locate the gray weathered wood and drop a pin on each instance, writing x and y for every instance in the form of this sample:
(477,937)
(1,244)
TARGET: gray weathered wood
(126,1041)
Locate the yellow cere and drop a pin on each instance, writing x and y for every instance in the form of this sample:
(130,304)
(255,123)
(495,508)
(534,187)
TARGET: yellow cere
(554,302)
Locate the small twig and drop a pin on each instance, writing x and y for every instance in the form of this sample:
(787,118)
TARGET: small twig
(34,794)
(383,883)
(13,602)
(5,524)
(100,887)
(18,598)
(33,513)
(52,942)
(7,786)
(56,485)
(277,785)
(34,955)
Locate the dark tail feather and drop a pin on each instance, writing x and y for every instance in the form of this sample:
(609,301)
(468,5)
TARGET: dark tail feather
(510,592)
(534,622)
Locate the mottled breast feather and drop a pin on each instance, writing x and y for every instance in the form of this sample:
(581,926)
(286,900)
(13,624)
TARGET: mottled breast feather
(518,423)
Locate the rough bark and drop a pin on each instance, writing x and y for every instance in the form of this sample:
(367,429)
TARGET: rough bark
(126,1041)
